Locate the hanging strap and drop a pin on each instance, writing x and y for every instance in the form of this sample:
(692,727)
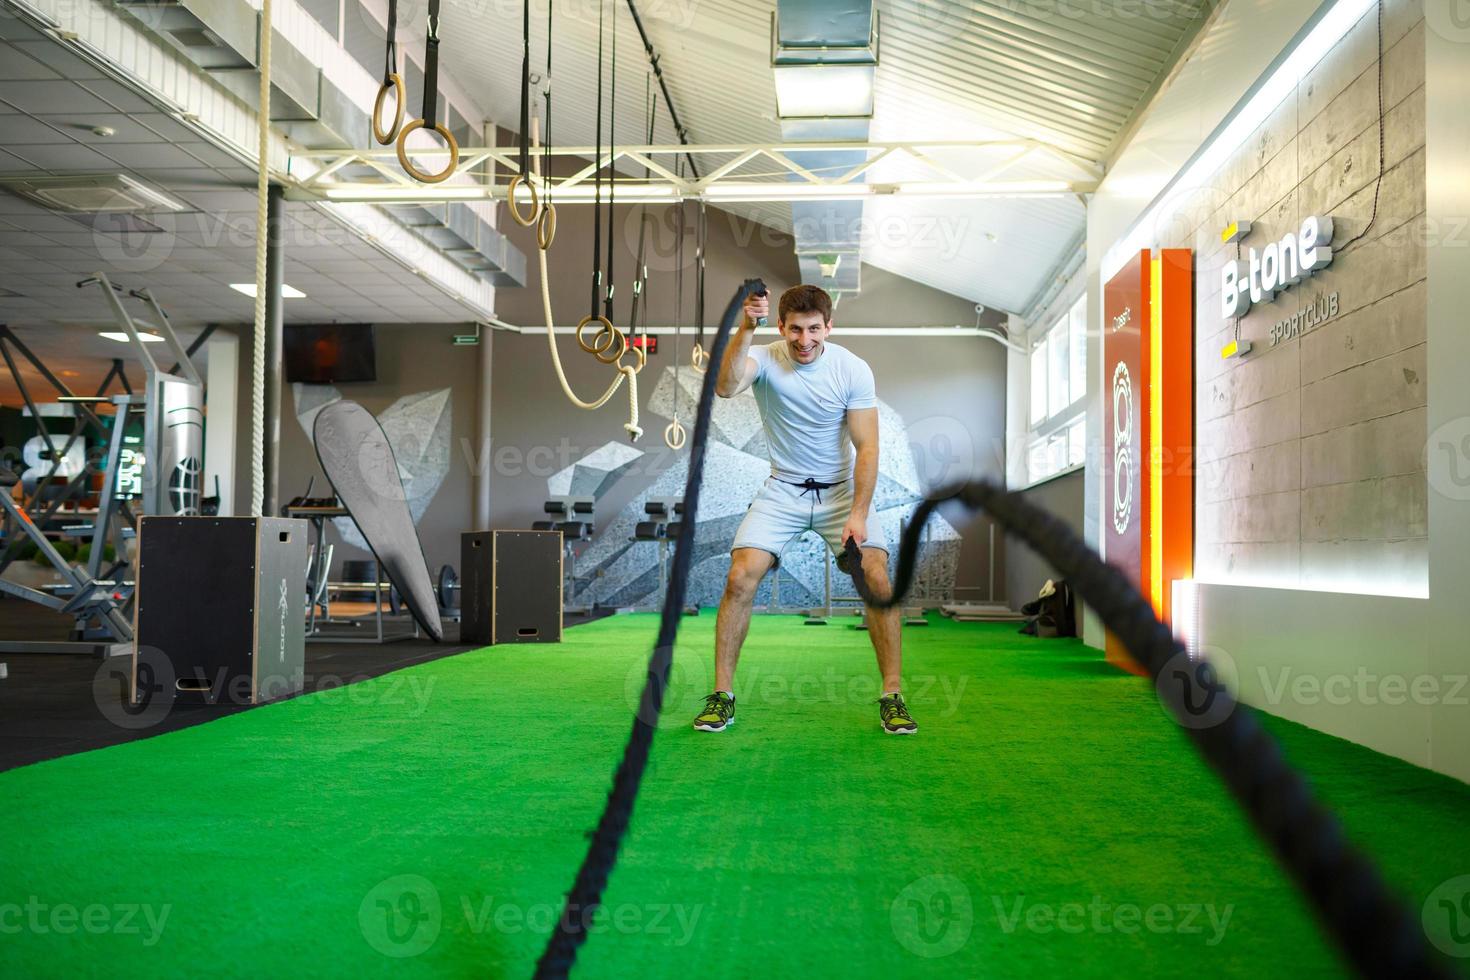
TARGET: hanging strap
(612,174)
(546,136)
(640,271)
(701,240)
(430,113)
(597,178)
(392,84)
(430,118)
(525,156)
(390,59)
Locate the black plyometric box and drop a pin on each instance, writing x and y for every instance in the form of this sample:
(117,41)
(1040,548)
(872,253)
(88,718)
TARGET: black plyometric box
(511,587)
(220,614)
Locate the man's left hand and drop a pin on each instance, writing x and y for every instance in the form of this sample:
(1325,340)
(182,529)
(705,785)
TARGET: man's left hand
(856,529)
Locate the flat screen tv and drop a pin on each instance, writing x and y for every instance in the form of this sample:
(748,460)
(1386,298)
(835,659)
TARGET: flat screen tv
(330,353)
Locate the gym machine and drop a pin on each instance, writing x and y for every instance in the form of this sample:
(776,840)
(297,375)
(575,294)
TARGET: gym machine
(576,525)
(165,478)
(662,528)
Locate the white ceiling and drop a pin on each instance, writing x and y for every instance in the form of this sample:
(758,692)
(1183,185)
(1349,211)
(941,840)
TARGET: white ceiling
(1072,75)
(50,101)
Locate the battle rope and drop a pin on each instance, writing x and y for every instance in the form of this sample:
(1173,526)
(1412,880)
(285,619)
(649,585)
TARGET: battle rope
(626,372)
(586,893)
(522,175)
(392,82)
(430,118)
(1378,935)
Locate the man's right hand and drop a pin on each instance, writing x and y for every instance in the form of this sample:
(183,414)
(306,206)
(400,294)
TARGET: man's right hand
(755,308)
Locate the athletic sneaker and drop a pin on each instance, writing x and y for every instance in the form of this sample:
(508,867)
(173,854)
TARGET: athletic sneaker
(718,713)
(895,716)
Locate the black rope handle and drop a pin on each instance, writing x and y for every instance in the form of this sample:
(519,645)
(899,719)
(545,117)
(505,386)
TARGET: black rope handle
(586,893)
(1377,934)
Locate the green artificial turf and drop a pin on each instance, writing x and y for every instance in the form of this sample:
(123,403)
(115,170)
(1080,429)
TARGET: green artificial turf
(1047,820)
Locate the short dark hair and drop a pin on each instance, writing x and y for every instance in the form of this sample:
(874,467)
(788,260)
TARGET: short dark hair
(805,299)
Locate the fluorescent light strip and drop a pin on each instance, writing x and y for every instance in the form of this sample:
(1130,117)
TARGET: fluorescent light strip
(1256,106)
(248,288)
(122,338)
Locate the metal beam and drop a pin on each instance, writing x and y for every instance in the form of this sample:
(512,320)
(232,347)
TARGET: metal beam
(782,179)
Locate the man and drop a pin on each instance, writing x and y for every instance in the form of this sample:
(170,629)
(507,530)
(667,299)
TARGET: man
(819,409)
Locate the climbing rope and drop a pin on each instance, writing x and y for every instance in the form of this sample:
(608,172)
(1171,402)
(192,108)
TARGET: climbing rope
(1378,935)
(586,892)
(262,212)
(626,372)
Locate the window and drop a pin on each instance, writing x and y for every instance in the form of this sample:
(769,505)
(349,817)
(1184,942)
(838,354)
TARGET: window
(1038,385)
(1058,376)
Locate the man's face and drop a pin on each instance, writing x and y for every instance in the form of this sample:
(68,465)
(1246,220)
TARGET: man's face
(805,334)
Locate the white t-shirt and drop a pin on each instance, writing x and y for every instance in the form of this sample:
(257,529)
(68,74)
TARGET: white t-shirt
(804,409)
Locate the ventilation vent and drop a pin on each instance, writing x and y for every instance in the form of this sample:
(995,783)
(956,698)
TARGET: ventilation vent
(196,37)
(92,194)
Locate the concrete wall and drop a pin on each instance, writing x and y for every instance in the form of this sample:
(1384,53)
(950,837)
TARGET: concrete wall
(1231,52)
(1360,394)
(1310,470)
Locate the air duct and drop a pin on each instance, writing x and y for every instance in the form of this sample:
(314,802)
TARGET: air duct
(824,55)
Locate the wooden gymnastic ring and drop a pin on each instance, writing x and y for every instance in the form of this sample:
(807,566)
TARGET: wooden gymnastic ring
(510,200)
(622,345)
(393,84)
(698,359)
(546,226)
(415,172)
(642,354)
(605,329)
(674,435)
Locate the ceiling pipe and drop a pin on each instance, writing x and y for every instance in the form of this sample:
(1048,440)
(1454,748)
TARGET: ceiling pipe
(658,73)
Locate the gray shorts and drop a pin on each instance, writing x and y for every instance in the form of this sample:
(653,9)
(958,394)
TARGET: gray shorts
(781,511)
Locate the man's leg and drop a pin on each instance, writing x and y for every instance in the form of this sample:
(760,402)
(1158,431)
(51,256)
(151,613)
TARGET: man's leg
(747,567)
(884,625)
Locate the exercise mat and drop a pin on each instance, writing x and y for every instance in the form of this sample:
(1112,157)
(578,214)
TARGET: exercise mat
(357,459)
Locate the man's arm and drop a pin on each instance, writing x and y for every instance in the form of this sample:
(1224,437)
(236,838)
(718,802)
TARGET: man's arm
(862,426)
(738,369)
